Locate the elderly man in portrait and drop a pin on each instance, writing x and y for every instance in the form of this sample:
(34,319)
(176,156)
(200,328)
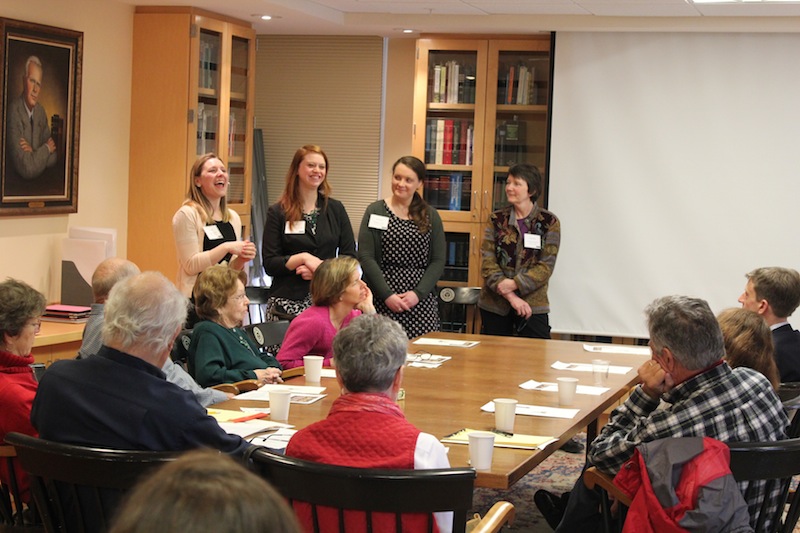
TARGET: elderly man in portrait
(774,293)
(29,145)
(120,398)
(107,274)
(686,390)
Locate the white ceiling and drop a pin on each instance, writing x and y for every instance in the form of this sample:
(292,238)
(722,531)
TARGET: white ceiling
(389,17)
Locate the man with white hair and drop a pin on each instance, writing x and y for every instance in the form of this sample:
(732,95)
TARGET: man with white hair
(120,398)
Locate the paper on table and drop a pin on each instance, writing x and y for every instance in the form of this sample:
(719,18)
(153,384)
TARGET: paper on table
(446,342)
(274,441)
(328,373)
(537,410)
(587,367)
(263,393)
(553,387)
(251,427)
(503,440)
(616,348)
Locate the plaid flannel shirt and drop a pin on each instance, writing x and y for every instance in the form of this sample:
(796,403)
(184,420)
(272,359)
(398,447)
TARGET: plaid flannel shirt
(730,405)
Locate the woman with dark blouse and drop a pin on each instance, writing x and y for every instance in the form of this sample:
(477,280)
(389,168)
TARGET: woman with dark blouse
(305,227)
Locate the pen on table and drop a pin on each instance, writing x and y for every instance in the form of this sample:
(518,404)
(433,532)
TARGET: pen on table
(250,417)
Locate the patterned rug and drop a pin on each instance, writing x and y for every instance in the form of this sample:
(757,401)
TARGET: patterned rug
(557,474)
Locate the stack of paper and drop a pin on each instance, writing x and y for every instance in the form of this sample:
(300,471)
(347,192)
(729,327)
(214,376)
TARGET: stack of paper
(503,440)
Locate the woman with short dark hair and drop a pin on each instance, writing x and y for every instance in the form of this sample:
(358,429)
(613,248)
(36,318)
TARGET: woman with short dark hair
(21,309)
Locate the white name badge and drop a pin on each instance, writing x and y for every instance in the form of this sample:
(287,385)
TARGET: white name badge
(295,228)
(532,240)
(212,232)
(379,222)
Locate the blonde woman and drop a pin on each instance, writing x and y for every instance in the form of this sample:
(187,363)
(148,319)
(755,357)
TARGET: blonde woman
(207,232)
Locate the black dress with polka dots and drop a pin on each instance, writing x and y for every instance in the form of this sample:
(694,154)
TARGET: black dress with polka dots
(404,257)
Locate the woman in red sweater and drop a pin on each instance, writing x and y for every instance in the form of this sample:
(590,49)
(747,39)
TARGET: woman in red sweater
(21,309)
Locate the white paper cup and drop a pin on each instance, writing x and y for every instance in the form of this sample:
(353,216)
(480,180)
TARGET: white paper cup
(600,371)
(481,448)
(504,411)
(279,404)
(566,390)
(313,366)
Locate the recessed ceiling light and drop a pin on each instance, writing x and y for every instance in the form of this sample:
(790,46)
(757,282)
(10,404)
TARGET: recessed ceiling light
(266,17)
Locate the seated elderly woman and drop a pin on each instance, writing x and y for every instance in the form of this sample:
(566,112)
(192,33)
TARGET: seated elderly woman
(221,351)
(365,427)
(338,295)
(748,342)
(21,309)
(204,491)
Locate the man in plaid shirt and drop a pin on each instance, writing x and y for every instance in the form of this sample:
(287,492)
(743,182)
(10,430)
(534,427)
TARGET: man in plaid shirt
(686,390)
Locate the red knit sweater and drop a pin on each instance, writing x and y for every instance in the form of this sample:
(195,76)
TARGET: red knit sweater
(363,430)
(17,389)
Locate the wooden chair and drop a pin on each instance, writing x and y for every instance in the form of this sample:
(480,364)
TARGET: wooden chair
(773,462)
(458,308)
(370,490)
(11,507)
(77,488)
(238,387)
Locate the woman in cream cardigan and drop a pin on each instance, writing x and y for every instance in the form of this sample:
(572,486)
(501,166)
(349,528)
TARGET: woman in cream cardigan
(207,232)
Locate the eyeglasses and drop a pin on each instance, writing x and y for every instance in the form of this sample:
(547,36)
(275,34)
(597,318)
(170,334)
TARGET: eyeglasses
(239,297)
(37,325)
(419,356)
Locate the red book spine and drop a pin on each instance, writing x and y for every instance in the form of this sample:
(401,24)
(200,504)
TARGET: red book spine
(447,145)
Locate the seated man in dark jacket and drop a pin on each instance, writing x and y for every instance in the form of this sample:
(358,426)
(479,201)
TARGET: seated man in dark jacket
(774,293)
(121,398)
(686,390)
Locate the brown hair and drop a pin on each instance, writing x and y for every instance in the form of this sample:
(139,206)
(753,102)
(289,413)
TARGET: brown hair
(212,289)
(195,195)
(531,175)
(778,286)
(418,210)
(748,342)
(290,199)
(204,491)
(331,279)
(19,302)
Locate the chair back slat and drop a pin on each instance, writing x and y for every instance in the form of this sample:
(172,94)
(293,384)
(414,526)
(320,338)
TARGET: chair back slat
(78,488)
(370,490)
(268,333)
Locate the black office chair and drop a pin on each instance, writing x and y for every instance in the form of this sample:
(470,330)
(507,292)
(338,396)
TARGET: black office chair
(363,492)
(77,488)
(268,335)
(771,463)
(180,348)
(258,296)
(458,309)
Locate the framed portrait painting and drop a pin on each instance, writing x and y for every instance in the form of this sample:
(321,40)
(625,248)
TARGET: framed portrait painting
(41,102)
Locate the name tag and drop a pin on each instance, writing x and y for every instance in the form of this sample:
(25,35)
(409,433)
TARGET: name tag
(379,222)
(295,228)
(212,232)
(532,240)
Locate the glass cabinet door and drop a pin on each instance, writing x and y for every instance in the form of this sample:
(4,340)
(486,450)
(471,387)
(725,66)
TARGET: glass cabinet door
(208,94)
(448,122)
(237,118)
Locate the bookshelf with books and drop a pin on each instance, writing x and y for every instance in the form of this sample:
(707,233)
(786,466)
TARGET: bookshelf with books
(192,93)
(480,106)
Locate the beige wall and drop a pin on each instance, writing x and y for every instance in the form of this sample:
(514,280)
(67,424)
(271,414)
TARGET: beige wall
(31,246)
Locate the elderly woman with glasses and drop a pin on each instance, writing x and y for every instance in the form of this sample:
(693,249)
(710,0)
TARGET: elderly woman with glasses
(221,351)
(21,309)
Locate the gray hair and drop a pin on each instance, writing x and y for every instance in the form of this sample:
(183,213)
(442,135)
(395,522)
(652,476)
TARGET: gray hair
(144,311)
(368,353)
(32,60)
(688,328)
(108,273)
(19,302)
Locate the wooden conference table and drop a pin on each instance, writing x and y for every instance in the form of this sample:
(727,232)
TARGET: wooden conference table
(443,400)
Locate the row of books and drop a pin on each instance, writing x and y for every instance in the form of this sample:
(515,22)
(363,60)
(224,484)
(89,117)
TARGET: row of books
(449,141)
(509,142)
(206,128)
(517,86)
(448,191)
(208,65)
(452,83)
(74,314)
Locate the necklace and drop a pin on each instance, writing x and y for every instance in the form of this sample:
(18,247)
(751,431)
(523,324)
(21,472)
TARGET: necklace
(238,336)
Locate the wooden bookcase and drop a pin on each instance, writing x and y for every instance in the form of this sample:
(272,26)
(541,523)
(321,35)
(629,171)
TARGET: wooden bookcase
(497,92)
(192,92)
